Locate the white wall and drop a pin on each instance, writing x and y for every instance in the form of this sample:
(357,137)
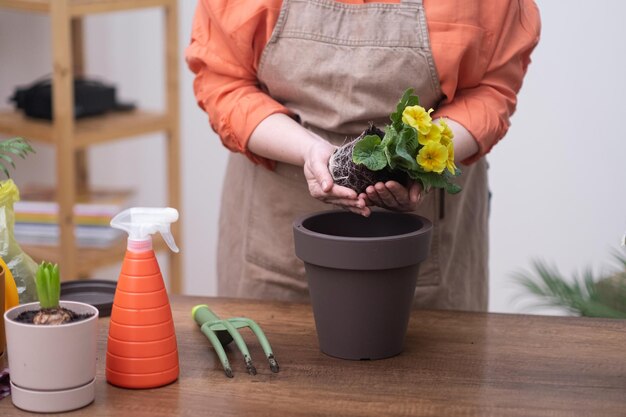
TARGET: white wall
(557,178)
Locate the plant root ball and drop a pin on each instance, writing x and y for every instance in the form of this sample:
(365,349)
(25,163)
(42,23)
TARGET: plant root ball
(348,174)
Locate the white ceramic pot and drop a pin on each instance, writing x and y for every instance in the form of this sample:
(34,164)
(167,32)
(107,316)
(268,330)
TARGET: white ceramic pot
(53,368)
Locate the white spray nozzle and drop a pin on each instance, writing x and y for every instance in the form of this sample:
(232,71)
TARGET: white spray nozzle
(142,222)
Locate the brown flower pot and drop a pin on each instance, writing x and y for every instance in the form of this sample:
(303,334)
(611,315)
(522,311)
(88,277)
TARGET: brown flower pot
(362,274)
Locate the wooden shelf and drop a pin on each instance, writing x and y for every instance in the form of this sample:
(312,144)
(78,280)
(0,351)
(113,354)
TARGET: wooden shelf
(88,131)
(82,7)
(87,259)
(39,6)
(71,138)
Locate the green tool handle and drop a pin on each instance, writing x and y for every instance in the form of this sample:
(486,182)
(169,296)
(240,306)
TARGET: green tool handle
(202,314)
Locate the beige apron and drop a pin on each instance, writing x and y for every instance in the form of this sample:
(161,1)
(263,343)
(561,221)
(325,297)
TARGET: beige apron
(337,67)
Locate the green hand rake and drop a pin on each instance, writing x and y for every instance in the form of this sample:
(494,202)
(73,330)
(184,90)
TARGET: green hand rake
(222,332)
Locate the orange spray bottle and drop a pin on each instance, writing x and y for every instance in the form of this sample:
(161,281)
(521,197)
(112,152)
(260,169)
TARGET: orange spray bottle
(141,349)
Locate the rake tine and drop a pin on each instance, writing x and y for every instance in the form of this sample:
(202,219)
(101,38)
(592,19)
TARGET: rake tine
(265,344)
(206,329)
(241,345)
(211,325)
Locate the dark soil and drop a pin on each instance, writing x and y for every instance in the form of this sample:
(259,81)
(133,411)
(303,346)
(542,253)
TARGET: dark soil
(27,317)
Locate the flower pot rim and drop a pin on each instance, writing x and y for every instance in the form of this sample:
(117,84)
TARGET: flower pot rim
(64,325)
(427,225)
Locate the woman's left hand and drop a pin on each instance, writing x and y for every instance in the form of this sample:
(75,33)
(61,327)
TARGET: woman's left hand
(393,196)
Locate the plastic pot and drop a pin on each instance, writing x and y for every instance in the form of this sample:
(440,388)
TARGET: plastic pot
(362,274)
(53,368)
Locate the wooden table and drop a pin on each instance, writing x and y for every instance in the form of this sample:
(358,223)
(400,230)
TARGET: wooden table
(454,364)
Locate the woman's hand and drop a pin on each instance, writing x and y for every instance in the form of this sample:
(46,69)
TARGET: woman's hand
(393,196)
(280,138)
(321,184)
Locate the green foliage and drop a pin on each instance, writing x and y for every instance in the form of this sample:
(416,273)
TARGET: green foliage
(408,99)
(398,150)
(48,285)
(370,153)
(434,180)
(14,146)
(585,295)
(402,147)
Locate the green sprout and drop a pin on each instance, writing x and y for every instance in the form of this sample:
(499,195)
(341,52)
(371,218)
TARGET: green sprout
(48,285)
(14,146)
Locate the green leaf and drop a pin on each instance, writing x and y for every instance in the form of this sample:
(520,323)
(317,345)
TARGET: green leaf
(408,99)
(15,146)
(48,285)
(5,170)
(40,283)
(55,287)
(452,188)
(389,145)
(401,148)
(369,152)
(433,180)
(7,159)
(44,299)
(390,135)
(403,155)
(408,138)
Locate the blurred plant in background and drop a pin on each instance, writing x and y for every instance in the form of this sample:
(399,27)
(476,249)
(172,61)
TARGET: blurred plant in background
(585,295)
(20,265)
(13,147)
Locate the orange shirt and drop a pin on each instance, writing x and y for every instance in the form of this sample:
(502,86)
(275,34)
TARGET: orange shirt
(481,51)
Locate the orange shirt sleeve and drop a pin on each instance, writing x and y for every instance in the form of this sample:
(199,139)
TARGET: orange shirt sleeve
(482,57)
(227,41)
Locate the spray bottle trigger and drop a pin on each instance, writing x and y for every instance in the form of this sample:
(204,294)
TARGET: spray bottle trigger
(169,239)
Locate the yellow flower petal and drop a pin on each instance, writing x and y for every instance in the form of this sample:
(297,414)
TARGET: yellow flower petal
(450,162)
(433,135)
(433,157)
(418,118)
(446,132)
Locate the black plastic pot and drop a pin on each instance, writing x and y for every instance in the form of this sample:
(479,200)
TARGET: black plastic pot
(362,274)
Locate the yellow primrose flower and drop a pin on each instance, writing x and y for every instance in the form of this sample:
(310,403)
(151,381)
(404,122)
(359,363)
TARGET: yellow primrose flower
(433,135)
(433,157)
(417,117)
(450,163)
(446,132)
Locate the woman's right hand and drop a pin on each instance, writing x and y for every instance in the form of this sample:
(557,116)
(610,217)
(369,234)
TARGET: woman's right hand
(320,182)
